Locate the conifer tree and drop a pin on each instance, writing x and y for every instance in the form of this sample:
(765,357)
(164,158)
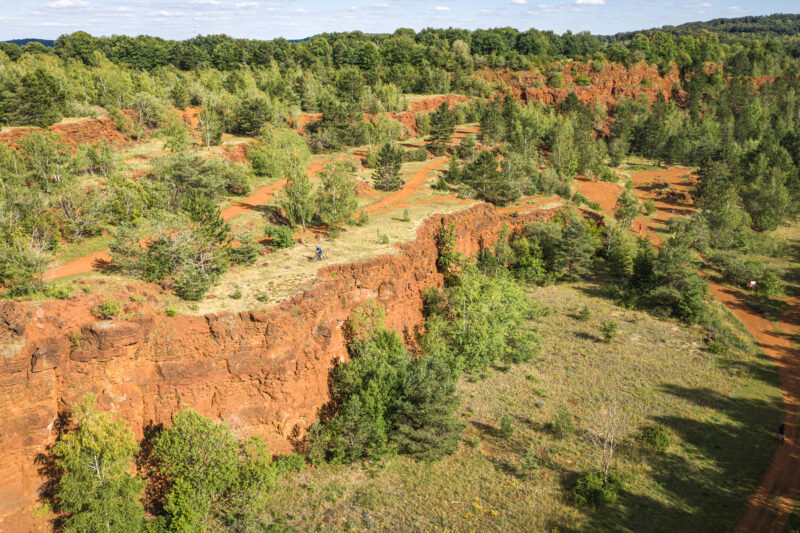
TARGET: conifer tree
(443,124)
(387,174)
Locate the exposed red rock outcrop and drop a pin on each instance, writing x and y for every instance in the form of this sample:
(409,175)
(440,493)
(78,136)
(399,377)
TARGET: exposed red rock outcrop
(86,131)
(607,87)
(263,373)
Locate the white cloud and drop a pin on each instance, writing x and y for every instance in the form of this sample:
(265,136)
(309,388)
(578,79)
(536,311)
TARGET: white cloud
(698,6)
(68,3)
(736,9)
(590,2)
(519,2)
(246,4)
(442,8)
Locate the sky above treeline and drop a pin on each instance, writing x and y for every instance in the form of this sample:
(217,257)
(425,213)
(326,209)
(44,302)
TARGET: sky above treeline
(296,19)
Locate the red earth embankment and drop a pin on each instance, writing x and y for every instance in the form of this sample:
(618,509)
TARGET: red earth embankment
(263,373)
(87,131)
(615,82)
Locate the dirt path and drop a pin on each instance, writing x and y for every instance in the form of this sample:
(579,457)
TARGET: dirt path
(769,507)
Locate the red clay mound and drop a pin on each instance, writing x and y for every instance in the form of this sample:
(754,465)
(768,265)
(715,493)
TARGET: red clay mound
(87,131)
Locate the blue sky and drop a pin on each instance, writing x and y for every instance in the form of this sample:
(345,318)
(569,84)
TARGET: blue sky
(267,19)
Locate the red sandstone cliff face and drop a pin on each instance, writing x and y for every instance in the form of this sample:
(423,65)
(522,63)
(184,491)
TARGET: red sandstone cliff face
(86,131)
(607,87)
(262,373)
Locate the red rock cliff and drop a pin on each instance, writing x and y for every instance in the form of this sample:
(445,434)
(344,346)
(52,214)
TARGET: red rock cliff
(262,373)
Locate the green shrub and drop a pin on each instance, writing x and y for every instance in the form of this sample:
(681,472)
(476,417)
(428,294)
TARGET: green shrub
(530,465)
(656,437)
(362,219)
(406,216)
(609,329)
(582,80)
(263,297)
(108,309)
(585,314)
(170,311)
(237,294)
(506,429)
(382,238)
(281,236)
(416,154)
(244,253)
(649,206)
(563,425)
(59,291)
(592,492)
(770,285)
(555,80)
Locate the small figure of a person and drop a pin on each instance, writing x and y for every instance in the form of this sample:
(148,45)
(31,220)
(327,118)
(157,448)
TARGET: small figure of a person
(404,183)
(640,230)
(782,433)
(752,285)
(318,255)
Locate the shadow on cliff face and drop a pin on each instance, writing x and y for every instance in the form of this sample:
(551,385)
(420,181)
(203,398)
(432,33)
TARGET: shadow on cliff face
(158,486)
(50,472)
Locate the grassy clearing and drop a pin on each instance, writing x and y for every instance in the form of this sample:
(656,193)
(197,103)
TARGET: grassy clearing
(279,275)
(721,411)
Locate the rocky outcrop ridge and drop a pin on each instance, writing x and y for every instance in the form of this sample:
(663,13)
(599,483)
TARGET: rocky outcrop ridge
(263,373)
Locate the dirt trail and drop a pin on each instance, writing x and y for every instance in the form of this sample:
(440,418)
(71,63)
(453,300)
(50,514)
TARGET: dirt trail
(769,507)
(408,189)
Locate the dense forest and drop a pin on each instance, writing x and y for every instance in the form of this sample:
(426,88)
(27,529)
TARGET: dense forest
(733,113)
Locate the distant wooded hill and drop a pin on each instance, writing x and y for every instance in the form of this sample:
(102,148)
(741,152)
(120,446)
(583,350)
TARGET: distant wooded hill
(22,42)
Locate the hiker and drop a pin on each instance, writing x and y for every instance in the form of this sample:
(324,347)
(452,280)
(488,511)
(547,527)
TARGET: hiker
(752,285)
(318,255)
(404,183)
(782,433)
(640,230)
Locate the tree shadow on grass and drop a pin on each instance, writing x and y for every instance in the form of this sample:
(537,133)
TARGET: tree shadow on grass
(708,494)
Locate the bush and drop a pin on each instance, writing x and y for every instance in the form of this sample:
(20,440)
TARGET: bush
(563,425)
(649,206)
(585,314)
(770,285)
(656,437)
(246,252)
(591,491)
(530,465)
(609,329)
(237,294)
(555,80)
(170,311)
(416,154)
(506,429)
(282,236)
(108,309)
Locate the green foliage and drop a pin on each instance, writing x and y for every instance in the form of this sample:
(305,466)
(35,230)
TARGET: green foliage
(365,322)
(590,491)
(281,236)
(449,261)
(443,123)
(39,100)
(95,490)
(336,196)
(488,182)
(245,252)
(426,421)
(215,481)
(108,309)
(298,200)
(506,428)
(278,153)
(237,294)
(656,437)
(563,425)
(649,207)
(609,329)
(368,390)
(387,173)
(628,206)
(585,314)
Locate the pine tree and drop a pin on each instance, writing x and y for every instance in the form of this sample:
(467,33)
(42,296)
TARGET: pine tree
(39,100)
(443,125)
(96,490)
(454,170)
(628,206)
(387,174)
(427,425)
(489,183)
